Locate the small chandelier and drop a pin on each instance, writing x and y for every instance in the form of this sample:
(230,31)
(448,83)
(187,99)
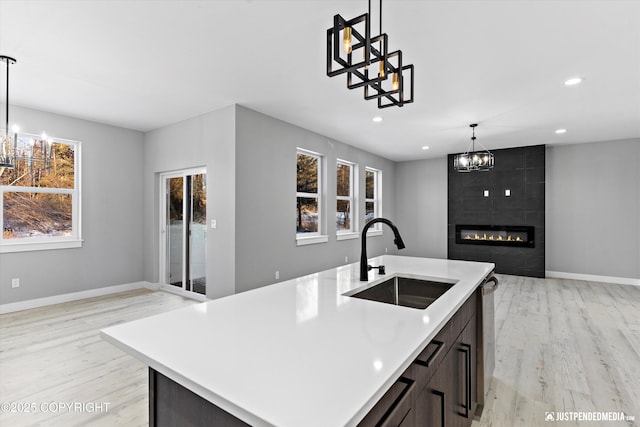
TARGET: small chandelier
(473,160)
(8,147)
(388,79)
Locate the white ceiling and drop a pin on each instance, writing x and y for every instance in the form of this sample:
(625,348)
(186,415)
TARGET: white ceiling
(143,64)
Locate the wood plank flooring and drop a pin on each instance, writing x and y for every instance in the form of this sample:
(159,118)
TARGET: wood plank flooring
(562,345)
(54,355)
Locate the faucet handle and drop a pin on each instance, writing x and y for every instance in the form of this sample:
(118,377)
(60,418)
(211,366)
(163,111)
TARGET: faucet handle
(380,269)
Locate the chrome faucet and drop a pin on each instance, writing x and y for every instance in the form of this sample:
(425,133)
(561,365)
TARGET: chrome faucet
(364,265)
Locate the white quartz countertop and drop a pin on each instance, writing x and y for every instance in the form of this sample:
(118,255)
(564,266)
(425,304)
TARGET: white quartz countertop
(299,353)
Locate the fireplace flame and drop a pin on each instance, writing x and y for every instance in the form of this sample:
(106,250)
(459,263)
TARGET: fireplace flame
(490,237)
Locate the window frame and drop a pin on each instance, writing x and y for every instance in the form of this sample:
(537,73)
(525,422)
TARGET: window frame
(352,232)
(376,229)
(314,236)
(25,244)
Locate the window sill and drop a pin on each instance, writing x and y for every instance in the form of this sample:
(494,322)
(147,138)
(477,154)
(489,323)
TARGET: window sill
(311,240)
(371,232)
(347,236)
(39,246)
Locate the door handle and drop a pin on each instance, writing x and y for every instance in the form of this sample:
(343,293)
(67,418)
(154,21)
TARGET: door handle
(466,349)
(436,352)
(443,407)
(486,289)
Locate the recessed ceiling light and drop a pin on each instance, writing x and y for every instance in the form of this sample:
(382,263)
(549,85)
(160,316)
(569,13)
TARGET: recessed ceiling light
(573,81)
(561,131)
(426,147)
(377,119)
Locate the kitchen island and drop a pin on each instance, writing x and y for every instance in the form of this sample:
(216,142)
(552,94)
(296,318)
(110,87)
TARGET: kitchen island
(299,352)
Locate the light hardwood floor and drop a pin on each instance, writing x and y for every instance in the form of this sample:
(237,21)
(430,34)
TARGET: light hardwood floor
(562,345)
(55,354)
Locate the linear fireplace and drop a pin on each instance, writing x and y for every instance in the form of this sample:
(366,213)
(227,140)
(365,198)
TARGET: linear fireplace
(496,235)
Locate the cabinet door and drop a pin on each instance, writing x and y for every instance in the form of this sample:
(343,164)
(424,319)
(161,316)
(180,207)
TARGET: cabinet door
(394,408)
(465,382)
(434,404)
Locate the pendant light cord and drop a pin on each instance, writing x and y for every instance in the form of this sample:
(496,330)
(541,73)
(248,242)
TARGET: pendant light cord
(473,140)
(6,122)
(380,29)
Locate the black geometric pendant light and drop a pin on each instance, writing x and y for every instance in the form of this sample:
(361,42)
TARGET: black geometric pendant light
(367,62)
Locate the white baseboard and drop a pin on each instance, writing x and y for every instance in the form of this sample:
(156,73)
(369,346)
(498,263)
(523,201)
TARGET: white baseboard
(593,278)
(181,292)
(57,299)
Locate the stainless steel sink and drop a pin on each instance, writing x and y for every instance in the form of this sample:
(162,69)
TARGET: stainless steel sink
(404,291)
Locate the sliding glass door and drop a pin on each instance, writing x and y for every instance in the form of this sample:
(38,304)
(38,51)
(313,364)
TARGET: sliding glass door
(184,230)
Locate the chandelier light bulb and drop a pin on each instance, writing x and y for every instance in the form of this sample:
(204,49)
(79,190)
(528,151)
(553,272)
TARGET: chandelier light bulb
(346,39)
(364,58)
(381,73)
(395,81)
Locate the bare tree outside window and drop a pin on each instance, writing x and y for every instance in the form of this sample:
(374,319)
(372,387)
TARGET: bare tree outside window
(38,194)
(308,195)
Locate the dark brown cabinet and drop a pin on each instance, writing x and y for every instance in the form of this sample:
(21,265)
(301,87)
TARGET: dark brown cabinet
(439,389)
(465,372)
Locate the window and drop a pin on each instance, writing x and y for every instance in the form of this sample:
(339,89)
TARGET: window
(40,197)
(346,224)
(308,198)
(372,195)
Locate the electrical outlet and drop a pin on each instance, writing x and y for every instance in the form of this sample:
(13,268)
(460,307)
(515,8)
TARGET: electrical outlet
(277,275)
(386,250)
(15,283)
(346,260)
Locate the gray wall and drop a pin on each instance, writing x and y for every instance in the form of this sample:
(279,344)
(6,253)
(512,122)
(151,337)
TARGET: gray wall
(593,208)
(593,224)
(207,140)
(266,201)
(111,214)
(421,196)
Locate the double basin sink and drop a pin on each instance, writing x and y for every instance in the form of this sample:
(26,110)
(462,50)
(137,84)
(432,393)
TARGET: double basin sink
(404,291)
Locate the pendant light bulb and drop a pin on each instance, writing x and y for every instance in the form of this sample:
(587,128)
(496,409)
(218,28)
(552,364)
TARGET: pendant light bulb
(346,39)
(395,81)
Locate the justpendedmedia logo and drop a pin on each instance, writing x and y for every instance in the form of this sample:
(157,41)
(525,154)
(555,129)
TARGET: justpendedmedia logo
(596,416)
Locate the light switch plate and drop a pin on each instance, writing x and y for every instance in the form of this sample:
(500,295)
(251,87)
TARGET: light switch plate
(507,193)
(213,223)
(486,193)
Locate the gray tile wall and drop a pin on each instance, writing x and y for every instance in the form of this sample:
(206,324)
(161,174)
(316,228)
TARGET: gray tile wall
(521,170)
